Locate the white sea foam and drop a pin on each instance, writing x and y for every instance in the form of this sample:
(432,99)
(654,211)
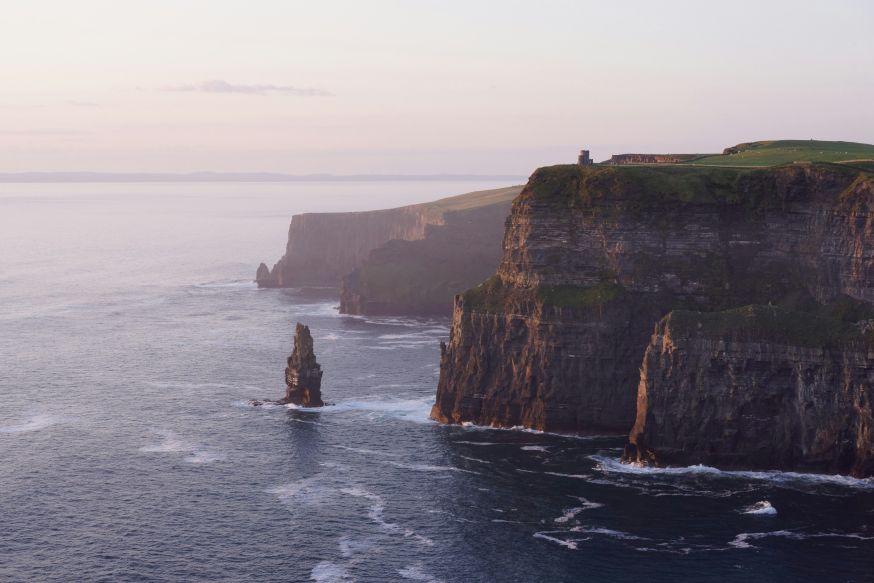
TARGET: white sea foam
(761,508)
(429,468)
(571,544)
(535,448)
(205,457)
(349,548)
(413,409)
(609,532)
(327,572)
(571,513)
(473,459)
(34,423)
(574,476)
(742,541)
(172,443)
(415,573)
(479,443)
(376,511)
(367,451)
(523,429)
(613,465)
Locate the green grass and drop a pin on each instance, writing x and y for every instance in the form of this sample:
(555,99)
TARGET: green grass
(777,152)
(493,297)
(645,189)
(477,199)
(568,296)
(819,326)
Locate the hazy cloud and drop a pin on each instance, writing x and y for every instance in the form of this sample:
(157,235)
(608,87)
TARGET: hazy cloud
(219,86)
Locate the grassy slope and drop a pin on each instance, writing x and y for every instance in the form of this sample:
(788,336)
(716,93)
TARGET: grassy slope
(772,153)
(476,199)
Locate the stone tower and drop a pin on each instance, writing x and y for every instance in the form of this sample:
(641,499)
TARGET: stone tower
(584,159)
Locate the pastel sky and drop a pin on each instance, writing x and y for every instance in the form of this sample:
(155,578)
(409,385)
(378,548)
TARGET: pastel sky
(382,86)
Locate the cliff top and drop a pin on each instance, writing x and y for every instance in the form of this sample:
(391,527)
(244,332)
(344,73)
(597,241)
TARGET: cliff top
(651,186)
(477,199)
(777,152)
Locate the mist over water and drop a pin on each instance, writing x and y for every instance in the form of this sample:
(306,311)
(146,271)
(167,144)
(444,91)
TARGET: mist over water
(132,338)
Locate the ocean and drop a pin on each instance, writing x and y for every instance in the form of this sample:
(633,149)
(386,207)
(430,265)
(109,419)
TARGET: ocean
(132,338)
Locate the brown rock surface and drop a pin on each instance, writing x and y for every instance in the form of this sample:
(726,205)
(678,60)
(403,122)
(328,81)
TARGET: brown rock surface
(759,387)
(595,256)
(303,376)
(322,248)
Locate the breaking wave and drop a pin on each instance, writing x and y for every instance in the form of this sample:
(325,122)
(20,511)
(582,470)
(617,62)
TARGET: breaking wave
(413,409)
(763,508)
(613,465)
(742,541)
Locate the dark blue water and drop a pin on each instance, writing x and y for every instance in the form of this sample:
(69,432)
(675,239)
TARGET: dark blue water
(131,340)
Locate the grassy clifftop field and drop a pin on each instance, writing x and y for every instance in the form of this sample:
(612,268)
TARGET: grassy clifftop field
(773,153)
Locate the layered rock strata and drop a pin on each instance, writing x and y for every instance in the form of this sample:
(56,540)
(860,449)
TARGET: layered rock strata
(303,375)
(322,248)
(759,387)
(422,277)
(595,256)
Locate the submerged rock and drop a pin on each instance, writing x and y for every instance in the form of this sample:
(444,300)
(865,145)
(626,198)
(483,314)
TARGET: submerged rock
(303,376)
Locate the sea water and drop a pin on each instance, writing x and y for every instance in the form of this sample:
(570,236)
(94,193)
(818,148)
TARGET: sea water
(132,338)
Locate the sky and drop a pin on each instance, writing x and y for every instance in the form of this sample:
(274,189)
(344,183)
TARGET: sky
(419,87)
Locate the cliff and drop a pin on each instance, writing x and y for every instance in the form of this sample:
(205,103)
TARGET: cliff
(422,277)
(759,387)
(322,248)
(593,257)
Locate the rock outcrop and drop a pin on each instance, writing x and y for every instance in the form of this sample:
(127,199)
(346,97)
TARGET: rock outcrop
(759,387)
(303,376)
(595,256)
(322,248)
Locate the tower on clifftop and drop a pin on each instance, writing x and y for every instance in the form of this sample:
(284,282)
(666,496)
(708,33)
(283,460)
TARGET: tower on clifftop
(584,159)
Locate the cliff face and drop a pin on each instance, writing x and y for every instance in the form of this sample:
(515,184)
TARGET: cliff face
(594,256)
(422,277)
(323,247)
(759,387)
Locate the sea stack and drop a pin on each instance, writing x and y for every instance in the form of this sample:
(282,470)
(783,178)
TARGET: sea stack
(303,376)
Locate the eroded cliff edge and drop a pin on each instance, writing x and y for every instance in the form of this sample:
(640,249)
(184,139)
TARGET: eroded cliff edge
(595,256)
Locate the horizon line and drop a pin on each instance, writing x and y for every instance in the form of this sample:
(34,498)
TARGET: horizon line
(211,176)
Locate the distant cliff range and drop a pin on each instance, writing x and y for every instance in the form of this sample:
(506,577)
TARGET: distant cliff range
(406,260)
